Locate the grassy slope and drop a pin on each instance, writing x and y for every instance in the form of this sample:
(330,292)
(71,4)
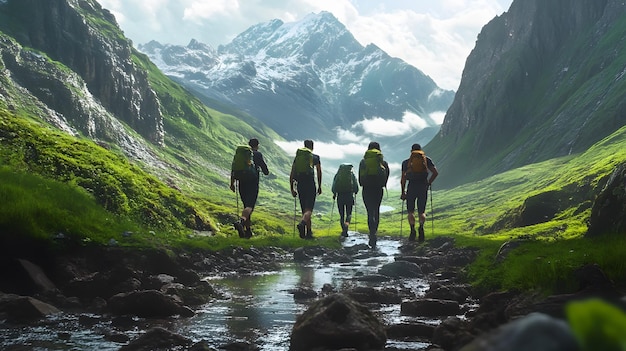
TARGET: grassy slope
(550,250)
(550,253)
(199,144)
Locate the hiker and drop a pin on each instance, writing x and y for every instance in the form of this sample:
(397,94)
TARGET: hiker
(416,169)
(306,165)
(373,176)
(344,188)
(248,187)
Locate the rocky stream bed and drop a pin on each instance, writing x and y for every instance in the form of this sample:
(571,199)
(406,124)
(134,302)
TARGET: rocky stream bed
(399,296)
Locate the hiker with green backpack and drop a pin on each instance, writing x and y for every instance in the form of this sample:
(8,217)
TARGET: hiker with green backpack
(373,176)
(246,166)
(416,170)
(344,188)
(306,165)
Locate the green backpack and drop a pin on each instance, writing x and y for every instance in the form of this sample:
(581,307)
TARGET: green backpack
(374,173)
(243,165)
(343,179)
(303,163)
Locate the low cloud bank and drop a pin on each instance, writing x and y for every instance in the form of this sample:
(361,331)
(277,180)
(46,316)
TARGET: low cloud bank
(351,144)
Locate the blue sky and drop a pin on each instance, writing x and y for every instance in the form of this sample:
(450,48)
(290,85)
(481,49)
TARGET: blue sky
(434,36)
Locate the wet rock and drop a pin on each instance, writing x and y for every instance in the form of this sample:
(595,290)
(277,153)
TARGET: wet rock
(300,255)
(401,269)
(15,308)
(430,308)
(155,282)
(147,304)
(451,334)
(31,277)
(373,278)
(157,339)
(372,295)
(404,330)
(240,346)
(336,322)
(303,293)
(99,284)
(537,332)
(117,337)
(458,293)
(419,260)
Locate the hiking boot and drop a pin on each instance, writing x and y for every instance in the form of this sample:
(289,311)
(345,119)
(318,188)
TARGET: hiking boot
(372,241)
(248,233)
(412,235)
(239,228)
(420,238)
(301,229)
(309,236)
(344,231)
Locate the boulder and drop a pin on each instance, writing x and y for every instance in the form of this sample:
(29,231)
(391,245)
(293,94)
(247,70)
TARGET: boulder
(458,293)
(14,308)
(537,332)
(371,295)
(430,308)
(158,339)
(401,269)
(337,322)
(22,277)
(404,330)
(147,304)
(608,214)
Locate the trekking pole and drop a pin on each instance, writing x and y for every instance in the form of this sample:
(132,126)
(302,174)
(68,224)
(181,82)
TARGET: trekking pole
(236,198)
(401,215)
(294,216)
(355,213)
(330,221)
(432,215)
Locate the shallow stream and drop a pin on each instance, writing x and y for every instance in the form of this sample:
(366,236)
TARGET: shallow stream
(260,309)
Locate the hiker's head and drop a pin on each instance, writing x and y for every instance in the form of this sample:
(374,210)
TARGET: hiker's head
(254,142)
(308,144)
(373,145)
(416,147)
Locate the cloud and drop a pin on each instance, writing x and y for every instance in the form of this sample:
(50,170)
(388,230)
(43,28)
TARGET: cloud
(201,10)
(378,126)
(331,151)
(438,117)
(434,36)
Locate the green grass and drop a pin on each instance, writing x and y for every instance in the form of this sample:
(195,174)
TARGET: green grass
(482,214)
(53,183)
(31,205)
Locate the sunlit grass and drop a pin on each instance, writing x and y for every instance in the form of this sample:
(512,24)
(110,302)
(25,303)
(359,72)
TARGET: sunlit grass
(31,206)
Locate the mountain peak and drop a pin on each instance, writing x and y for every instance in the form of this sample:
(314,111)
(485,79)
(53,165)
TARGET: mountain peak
(311,78)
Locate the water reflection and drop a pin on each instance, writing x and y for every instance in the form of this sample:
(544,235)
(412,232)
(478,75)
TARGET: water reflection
(260,309)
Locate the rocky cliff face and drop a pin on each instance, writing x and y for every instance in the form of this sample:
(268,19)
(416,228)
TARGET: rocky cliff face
(544,80)
(85,38)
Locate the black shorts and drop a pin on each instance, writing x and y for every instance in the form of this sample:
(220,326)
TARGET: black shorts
(417,191)
(306,193)
(249,191)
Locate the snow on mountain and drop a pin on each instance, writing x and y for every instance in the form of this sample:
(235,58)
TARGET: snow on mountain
(310,79)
